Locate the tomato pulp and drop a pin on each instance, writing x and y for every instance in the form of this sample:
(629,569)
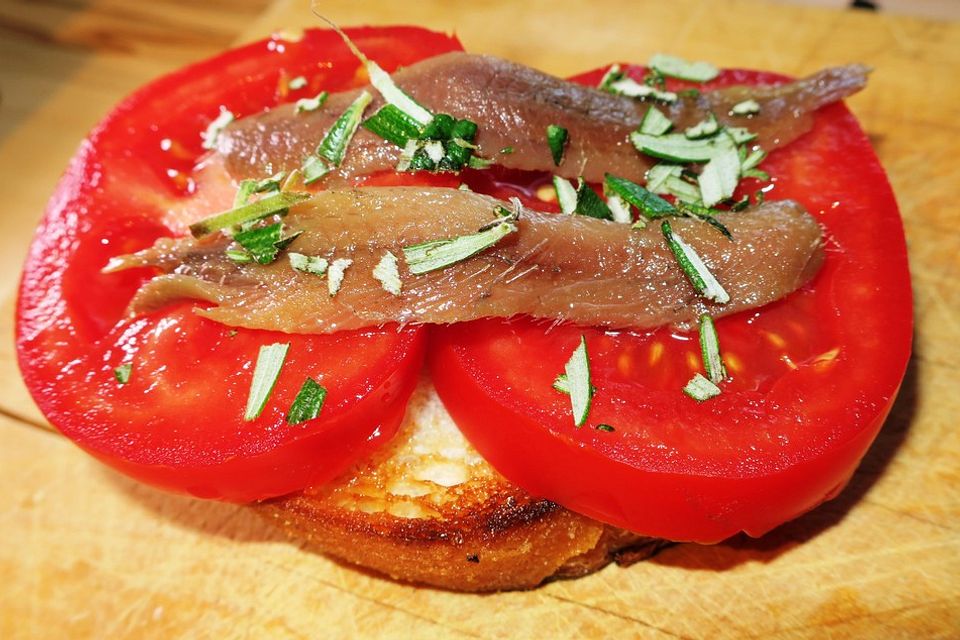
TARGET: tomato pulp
(178,422)
(813,376)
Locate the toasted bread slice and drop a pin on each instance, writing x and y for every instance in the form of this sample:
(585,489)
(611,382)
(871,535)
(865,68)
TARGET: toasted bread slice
(427,508)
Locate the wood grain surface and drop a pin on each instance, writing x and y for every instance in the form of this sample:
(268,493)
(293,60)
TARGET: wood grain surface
(85,552)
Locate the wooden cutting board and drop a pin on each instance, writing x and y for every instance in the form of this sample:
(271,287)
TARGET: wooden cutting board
(85,552)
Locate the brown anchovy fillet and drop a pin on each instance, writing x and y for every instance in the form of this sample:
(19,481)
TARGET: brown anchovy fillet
(555,266)
(513,104)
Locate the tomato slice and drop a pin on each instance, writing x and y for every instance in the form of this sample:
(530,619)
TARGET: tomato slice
(178,422)
(813,375)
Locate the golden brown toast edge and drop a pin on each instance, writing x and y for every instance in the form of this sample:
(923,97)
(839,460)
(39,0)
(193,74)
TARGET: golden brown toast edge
(426,508)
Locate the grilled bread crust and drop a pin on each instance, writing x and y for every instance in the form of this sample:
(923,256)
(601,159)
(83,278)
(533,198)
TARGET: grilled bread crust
(427,509)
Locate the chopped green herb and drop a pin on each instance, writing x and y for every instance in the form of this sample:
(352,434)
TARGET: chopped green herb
(590,204)
(720,175)
(710,350)
(704,213)
(249,212)
(215,128)
(581,391)
(619,208)
(304,105)
(740,204)
(632,89)
(654,123)
(385,85)
(240,256)
(605,427)
(701,389)
(439,254)
(703,129)
(676,147)
(308,264)
(650,205)
(756,173)
(557,140)
(679,68)
(689,93)
(476,162)
(566,194)
(333,147)
(387,273)
(654,78)
(393,94)
(407,154)
(693,266)
(667,179)
(244,191)
(740,135)
(611,75)
(746,108)
(335,274)
(759,196)
(264,243)
(392,124)
(751,161)
(297,83)
(265,375)
(122,373)
(308,403)
(506,151)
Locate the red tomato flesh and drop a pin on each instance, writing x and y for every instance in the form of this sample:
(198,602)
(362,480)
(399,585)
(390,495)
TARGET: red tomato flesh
(178,422)
(812,376)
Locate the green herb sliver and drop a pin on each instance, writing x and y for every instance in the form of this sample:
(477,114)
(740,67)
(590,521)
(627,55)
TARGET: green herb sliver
(247,213)
(654,123)
(721,174)
(305,105)
(215,128)
(393,125)
(308,403)
(703,129)
(577,372)
(630,88)
(619,209)
(675,67)
(701,389)
(439,254)
(265,375)
(387,274)
(566,194)
(650,205)
(333,146)
(308,264)
(746,108)
(710,350)
(263,244)
(590,204)
(335,274)
(693,266)
(667,179)
(557,139)
(605,427)
(122,373)
(676,147)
